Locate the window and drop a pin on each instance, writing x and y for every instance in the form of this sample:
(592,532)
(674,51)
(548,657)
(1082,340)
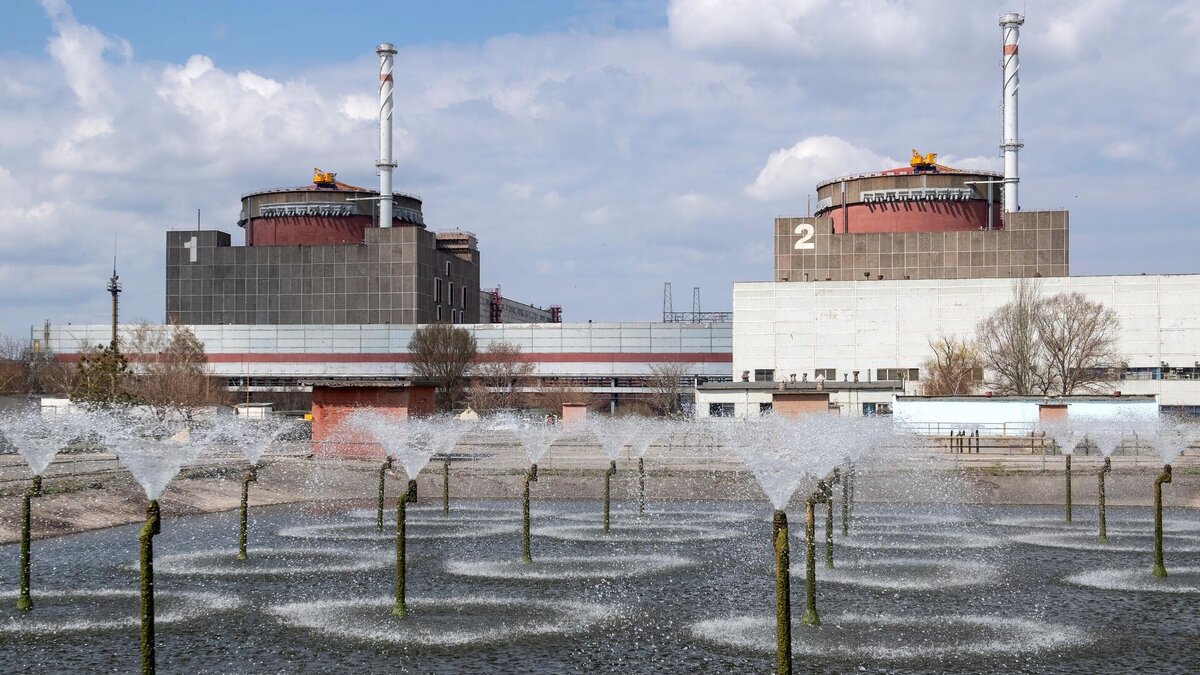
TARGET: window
(447,268)
(898,374)
(764,408)
(764,375)
(437,290)
(464,296)
(720,409)
(827,373)
(450,293)
(439,312)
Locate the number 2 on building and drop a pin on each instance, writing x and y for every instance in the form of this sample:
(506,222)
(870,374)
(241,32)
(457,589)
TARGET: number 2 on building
(805,230)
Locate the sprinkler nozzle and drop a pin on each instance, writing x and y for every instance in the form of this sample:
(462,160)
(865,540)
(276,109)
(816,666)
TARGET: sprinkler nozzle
(411,497)
(612,468)
(531,475)
(835,477)
(1107,465)
(1165,476)
(35,489)
(252,474)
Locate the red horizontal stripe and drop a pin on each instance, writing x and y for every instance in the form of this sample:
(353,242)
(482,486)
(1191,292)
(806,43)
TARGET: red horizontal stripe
(534,357)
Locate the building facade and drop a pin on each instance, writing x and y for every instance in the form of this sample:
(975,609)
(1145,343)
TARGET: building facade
(872,330)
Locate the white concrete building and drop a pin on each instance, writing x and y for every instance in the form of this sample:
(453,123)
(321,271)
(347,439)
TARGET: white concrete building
(882,328)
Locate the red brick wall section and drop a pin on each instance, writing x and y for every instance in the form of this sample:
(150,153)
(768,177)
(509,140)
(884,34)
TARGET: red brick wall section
(331,404)
(311,230)
(421,401)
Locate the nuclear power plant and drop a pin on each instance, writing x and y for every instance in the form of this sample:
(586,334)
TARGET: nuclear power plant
(333,279)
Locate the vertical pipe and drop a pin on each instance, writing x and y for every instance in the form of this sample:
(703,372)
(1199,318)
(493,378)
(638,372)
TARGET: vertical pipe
(641,486)
(446,484)
(251,477)
(385,164)
(1160,569)
(530,477)
(612,471)
(829,533)
(1101,501)
(24,600)
(379,511)
(1010,25)
(1068,472)
(810,564)
(152,527)
(783,595)
(846,504)
(400,608)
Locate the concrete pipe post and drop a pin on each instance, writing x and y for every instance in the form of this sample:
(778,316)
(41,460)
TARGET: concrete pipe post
(387,464)
(1102,501)
(612,471)
(152,527)
(641,486)
(1068,488)
(410,495)
(783,594)
(810,617)
(24,600)
(530,477)
(1160,570)
(446,484)
(251,477)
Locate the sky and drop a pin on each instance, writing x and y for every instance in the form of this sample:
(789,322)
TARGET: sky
(597,149)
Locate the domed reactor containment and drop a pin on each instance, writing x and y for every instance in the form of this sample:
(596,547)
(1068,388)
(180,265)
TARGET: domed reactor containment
(924,221)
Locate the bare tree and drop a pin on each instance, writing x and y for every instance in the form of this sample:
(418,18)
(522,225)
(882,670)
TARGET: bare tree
(665,384)
(443,355)
(498,374)
(955,368)
(1013,354)
(25,368)
(1080,342)
(172,376)
(1057,345)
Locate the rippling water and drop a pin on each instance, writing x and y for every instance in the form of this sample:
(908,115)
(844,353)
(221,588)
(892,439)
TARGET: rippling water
(706,606)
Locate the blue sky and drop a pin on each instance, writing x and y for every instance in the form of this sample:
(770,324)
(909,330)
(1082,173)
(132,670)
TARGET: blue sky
(597,149)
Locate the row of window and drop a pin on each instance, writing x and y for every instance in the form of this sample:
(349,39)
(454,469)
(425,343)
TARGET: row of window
(831,374)
(437,293)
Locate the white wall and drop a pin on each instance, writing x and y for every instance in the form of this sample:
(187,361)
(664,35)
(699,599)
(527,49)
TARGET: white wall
(1001,416)
(797,327)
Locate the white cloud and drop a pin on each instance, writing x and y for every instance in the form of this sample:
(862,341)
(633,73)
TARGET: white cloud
(656,152)
(795,171)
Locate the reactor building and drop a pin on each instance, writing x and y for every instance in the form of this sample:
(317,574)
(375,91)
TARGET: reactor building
(333,253)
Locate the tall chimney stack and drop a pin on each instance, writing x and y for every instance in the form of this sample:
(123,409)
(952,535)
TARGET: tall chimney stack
(1010,26)
(385,164)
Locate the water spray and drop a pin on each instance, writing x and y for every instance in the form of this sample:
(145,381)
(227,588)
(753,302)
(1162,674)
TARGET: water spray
(1165,477)
(24,602)
(530,477)
(1068,456)
(387,465)
(821,494)
(612,471)
(1101,500)
(402,501)
(446,484)
(251,477)
(152,527)
(783,594)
